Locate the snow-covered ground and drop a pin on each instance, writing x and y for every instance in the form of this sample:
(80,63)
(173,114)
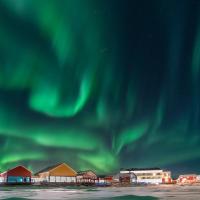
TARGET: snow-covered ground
(161,192)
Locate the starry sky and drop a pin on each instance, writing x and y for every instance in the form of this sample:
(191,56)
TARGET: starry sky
(100,84)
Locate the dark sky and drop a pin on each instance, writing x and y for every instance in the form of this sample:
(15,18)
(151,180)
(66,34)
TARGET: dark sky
(100,84)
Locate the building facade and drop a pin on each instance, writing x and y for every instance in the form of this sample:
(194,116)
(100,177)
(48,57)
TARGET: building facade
(104,180)
(17,175)
(167,179)
(126,178)
(1,179)
(148,175)
(87,176)
(60,173)
(187,179)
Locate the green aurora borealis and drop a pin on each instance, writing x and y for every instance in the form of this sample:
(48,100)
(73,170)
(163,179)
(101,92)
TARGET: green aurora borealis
(100,84)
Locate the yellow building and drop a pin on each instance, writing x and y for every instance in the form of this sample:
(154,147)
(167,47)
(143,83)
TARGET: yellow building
(60,173)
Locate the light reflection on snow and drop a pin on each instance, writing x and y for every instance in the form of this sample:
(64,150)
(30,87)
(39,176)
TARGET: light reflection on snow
(162,192)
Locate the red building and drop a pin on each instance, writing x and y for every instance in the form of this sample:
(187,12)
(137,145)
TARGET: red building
(187,179)
(167,180)
(109,179)
(17,175)
(166,177)
(87,176)
(104,180)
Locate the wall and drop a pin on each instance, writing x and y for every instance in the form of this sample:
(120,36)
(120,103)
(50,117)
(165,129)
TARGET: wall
(62,179)
(150,181)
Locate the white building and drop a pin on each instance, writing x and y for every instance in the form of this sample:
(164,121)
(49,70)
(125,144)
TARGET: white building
(149,175)
(2,179)
(198,178)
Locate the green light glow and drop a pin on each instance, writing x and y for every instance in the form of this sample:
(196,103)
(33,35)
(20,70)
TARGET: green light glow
(99,84)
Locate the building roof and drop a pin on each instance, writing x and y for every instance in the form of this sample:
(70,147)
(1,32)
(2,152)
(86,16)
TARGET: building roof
(17,171)
(186,175)
(140,169)
(58,169)
(46,169)
(102,176)
(85,171)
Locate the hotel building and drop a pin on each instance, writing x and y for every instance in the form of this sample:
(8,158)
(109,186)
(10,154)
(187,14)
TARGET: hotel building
(148,175)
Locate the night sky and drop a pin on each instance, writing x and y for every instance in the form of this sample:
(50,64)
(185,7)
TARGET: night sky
(100,84)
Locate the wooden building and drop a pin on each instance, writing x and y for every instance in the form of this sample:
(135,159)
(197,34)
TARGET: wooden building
(17,175)
(60,173)
(103,180)
(87,176)
(109,179)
